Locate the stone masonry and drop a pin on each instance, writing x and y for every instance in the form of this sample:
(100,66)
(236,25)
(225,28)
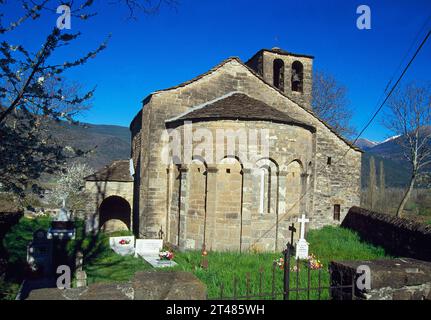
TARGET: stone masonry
(226,204)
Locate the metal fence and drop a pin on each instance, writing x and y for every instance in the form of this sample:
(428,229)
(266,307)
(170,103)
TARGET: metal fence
(338,287)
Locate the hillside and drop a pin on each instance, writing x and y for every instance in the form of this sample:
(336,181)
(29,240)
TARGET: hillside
(396,167)
(107,142)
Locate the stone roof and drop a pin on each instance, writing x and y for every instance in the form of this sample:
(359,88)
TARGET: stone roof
(118,170)
(281,51)
(237,106)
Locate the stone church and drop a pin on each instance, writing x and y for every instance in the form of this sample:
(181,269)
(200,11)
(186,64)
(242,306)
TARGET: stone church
(226,199)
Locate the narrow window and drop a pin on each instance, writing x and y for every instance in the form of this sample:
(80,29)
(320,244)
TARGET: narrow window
(227,170)
(329,161)
(297,77)
(337,210)
(278,74)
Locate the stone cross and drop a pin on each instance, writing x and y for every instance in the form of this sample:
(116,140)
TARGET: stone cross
(303,221)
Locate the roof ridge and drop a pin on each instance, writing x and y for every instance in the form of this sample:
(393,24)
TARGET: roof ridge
(267,83)
(203,105)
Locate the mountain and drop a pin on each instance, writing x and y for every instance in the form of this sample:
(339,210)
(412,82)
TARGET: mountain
(397,168)
(106,142)
(365,144)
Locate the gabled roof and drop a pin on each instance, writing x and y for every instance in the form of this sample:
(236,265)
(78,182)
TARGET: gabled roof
(261,79)
(118,170)
(236,106)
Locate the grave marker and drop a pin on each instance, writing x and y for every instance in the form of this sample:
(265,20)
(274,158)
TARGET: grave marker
(123,245)
(302,244)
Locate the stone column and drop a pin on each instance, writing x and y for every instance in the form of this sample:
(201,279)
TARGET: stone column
(183,207)
(304,195)
(247,209)
(282,215)
(211,206)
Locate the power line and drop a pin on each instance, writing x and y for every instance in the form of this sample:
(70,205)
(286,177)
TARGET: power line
(390,92)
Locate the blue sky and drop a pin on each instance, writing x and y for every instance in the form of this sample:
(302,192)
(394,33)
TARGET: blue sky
(159,51)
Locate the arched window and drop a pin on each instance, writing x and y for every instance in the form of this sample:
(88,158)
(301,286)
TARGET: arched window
(268,185)
(278,74)
(297,78)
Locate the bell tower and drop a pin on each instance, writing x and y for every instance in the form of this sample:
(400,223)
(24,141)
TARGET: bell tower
(288,72)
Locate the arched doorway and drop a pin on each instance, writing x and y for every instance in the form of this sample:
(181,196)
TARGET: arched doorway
(114,214)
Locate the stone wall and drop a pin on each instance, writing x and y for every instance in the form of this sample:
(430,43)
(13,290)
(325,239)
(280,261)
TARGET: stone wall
(333,184)
(231,218)
(399,237)
(390,279)
(98,191)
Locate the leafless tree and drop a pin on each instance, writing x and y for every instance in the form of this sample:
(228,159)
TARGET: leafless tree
(330,103)
(409,116)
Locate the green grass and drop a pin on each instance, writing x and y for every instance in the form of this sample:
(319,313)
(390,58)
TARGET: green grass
(103,265)
(329,243)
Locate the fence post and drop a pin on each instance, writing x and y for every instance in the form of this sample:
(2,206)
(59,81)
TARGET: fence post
(286,270)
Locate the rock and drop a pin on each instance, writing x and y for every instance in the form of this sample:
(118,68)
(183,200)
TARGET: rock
(146,285)
(397,279)
(179,285)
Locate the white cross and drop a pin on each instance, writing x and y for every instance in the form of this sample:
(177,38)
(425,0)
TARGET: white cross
(302,221)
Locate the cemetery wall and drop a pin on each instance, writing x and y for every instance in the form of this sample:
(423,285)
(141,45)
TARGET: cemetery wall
(391,279)
(398,236)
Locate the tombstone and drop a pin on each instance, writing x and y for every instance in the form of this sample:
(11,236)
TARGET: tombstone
(123,245)
(302,244)
(39,254)
(149,250)
(148,247)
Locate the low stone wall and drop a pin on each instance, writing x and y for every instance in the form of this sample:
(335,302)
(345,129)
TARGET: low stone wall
(145,285)
(399,237)
(390,279)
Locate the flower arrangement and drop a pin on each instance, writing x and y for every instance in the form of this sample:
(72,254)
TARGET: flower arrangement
(166,255)
(314,263)
(123,242)
(280,263)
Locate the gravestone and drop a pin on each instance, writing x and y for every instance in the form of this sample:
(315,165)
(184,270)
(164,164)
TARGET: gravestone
(123,245)
(149,250)
(302,244)
(148,247)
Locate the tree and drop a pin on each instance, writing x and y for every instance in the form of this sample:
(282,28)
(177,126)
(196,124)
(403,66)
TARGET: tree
(372,184)
(34,92)
(382,187)
(330,103)
(409,116)
(70,187)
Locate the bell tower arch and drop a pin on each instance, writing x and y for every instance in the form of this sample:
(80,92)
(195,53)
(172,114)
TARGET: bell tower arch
(288,72)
